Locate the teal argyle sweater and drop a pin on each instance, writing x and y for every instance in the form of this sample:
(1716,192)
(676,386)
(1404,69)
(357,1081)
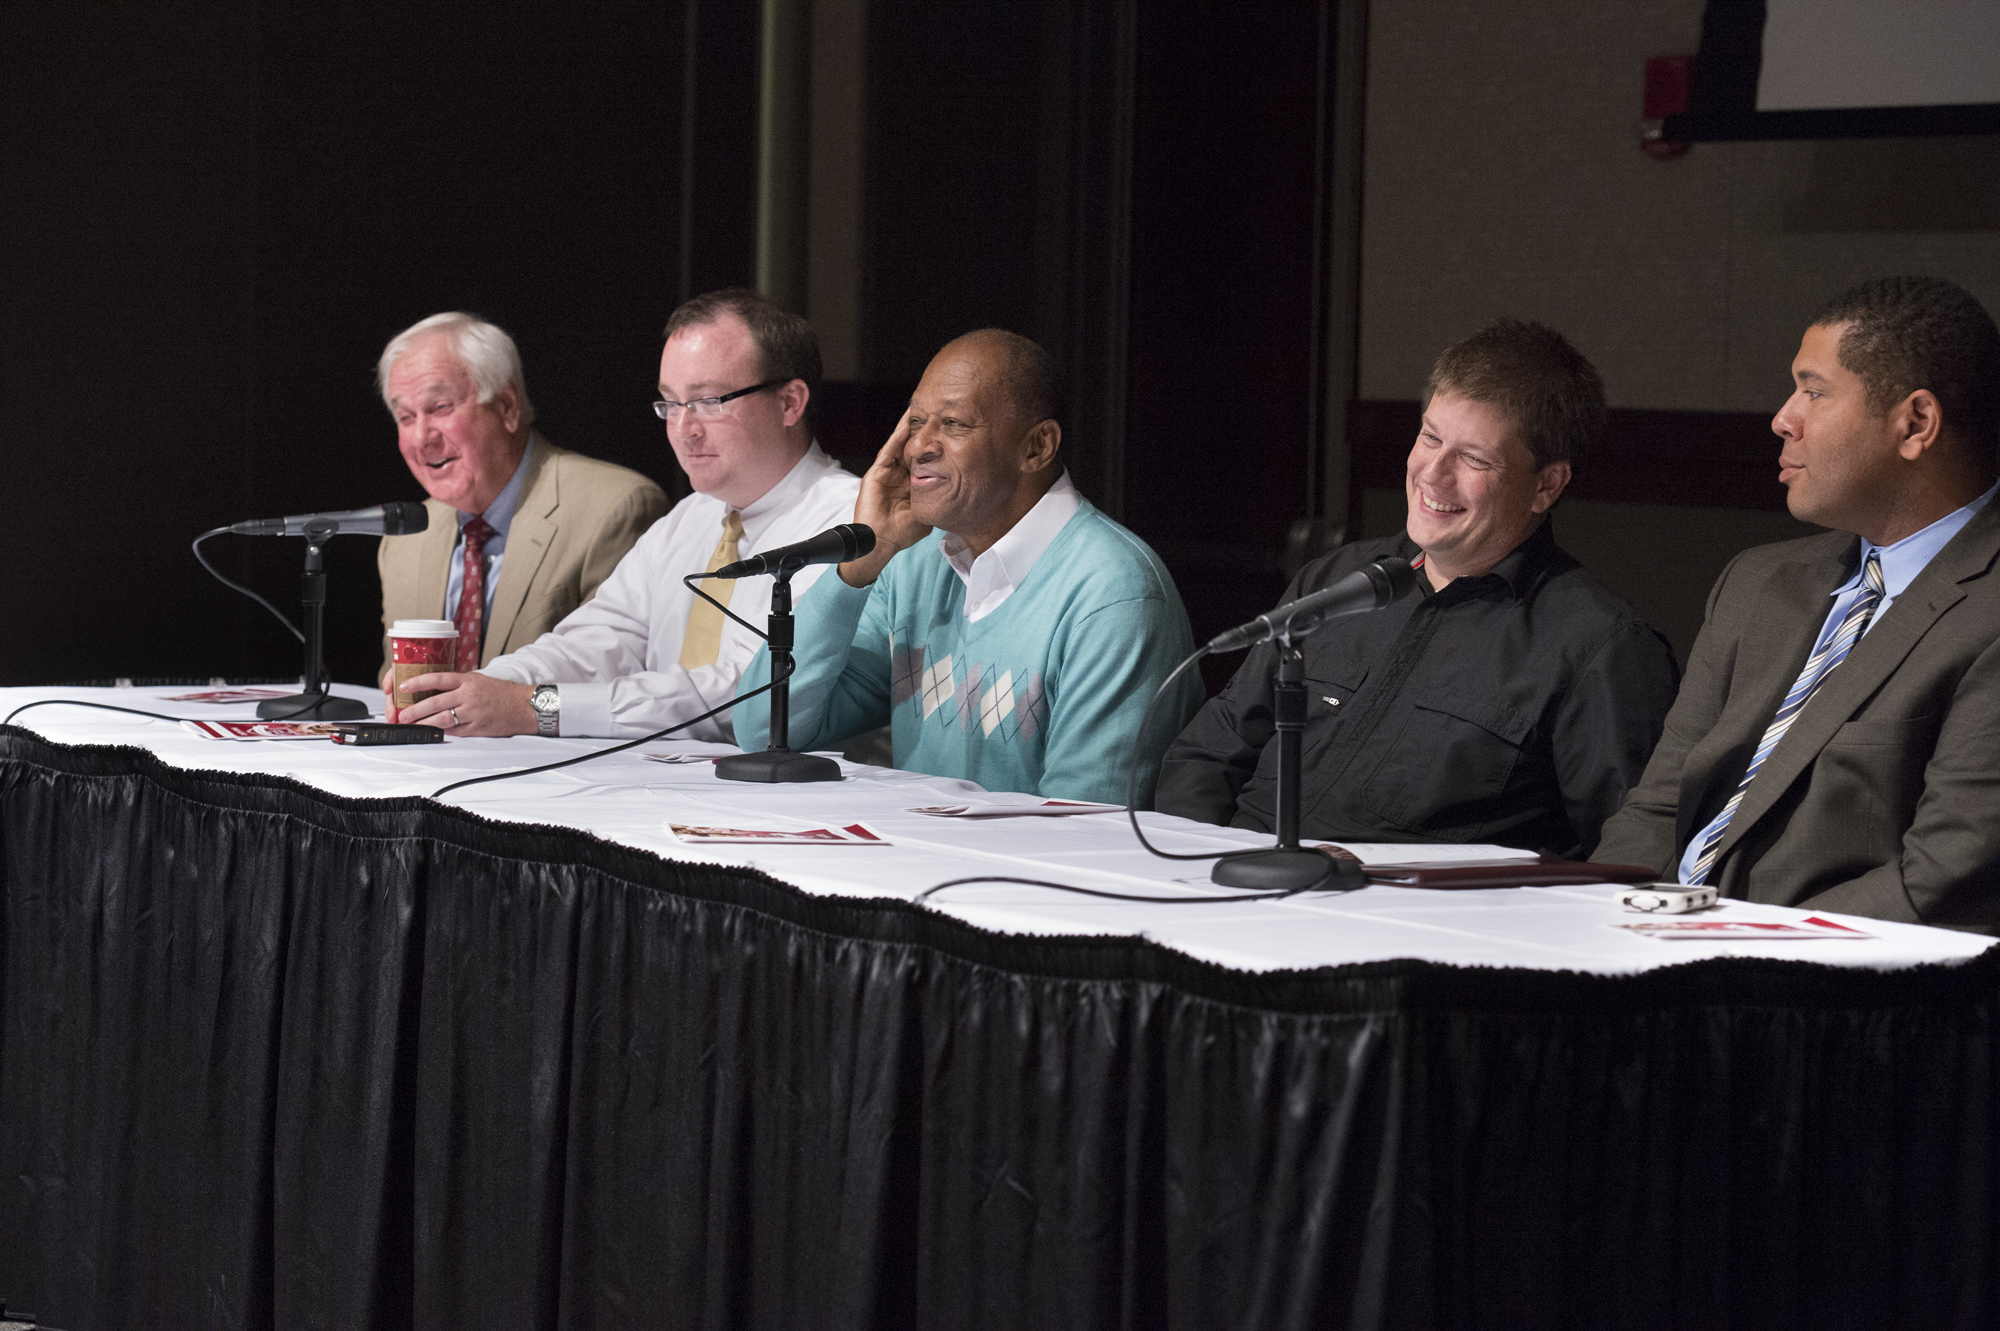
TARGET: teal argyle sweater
(1043,695)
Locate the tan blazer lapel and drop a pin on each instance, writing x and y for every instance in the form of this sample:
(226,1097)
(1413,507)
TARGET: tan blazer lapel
(434,556)
(1873,660)
(413,570)
(529,537)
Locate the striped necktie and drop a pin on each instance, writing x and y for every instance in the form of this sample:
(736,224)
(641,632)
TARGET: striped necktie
(1818,667)
(702,643)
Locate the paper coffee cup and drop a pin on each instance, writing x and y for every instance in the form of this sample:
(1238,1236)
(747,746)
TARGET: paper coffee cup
(420,647)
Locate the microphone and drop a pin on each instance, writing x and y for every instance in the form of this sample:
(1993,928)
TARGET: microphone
(401,518)
(835,545)
(1368,588)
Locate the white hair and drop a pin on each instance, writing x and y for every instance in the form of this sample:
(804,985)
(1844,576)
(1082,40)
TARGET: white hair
(489,356)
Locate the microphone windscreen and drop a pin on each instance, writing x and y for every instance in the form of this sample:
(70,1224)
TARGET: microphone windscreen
(404,518)
(860,539)
(1402,577)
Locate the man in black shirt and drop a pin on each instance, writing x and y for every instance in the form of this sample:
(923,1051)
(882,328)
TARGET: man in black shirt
(1512,699)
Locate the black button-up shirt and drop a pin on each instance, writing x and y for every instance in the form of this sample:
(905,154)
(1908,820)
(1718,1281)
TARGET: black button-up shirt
(1514,708)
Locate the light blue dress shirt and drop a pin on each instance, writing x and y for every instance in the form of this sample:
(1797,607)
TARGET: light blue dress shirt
(1901,563)
(499,516)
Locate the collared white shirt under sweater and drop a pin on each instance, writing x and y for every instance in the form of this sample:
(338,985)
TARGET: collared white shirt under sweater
(617,656)
(993,576)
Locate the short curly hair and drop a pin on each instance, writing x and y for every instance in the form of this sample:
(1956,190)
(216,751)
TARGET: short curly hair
(1906,333)
(1031,380)
(1532,373)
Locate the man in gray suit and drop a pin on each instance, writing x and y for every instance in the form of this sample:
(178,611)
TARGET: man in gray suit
(521,532)
(1836,742)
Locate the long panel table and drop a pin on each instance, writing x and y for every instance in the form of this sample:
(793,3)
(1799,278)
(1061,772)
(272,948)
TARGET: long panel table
(286,1042)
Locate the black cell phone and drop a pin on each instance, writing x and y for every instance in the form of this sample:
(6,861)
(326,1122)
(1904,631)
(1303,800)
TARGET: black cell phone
(382,732)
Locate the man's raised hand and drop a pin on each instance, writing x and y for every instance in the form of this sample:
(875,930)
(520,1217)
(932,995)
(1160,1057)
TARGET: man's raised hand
(884,504)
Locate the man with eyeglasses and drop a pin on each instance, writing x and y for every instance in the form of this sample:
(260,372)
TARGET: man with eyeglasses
(736,375)
(464,426)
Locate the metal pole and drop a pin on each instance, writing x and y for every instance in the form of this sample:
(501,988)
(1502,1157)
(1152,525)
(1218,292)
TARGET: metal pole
(780,630)
(1288,711)
(784,100)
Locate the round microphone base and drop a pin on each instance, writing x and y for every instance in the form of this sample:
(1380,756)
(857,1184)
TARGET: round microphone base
(312,707)
(777,765)
(1279,870)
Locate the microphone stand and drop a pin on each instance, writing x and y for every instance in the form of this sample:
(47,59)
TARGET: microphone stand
(778,762)
(1288,866)
(317,702)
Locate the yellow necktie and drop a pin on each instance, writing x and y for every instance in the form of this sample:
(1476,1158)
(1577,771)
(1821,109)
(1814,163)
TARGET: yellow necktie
(703,641)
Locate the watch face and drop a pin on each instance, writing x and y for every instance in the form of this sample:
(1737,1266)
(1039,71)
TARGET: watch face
(544,699)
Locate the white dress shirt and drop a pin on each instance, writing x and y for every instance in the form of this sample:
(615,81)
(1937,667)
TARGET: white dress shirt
(617,656)
(993,576)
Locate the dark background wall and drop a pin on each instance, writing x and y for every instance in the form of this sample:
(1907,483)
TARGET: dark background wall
(212,215)
(1228,260)
(218,213)
(1179,277)
(215,216)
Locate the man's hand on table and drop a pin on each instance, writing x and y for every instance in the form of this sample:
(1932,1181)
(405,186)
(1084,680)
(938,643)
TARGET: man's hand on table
(467,704)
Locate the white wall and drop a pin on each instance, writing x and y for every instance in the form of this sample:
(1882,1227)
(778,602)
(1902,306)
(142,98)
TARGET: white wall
(1504,176)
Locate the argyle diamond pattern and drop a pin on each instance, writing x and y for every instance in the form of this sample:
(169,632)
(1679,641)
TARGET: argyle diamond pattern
(937,686)
(1034,708)
(986,696)
(906,676)
(967,697)
(996,705)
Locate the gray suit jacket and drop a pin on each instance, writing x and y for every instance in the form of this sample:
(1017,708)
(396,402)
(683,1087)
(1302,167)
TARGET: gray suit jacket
(576,520)
(1883,799)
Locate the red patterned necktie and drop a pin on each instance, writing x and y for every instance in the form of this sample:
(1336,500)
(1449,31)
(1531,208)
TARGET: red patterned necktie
(471,617)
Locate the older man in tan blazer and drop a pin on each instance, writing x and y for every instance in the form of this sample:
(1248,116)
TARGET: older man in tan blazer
(521,532)
(737,373)
(1836,742)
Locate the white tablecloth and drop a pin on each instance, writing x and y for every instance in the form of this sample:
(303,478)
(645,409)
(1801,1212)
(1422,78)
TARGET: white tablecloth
(630,800)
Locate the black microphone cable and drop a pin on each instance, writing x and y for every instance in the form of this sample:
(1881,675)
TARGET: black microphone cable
(1132,812)
(469,781)
(290,627)
(133,711)
(1390,577)
(213,572)
(616,748)
(687,581)
(925,895)
(78,702)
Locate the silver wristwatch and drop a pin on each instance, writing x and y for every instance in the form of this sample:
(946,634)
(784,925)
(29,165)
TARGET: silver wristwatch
(547,702)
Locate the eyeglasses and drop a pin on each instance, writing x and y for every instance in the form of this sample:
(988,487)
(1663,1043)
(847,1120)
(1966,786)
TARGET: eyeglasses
(709,408)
